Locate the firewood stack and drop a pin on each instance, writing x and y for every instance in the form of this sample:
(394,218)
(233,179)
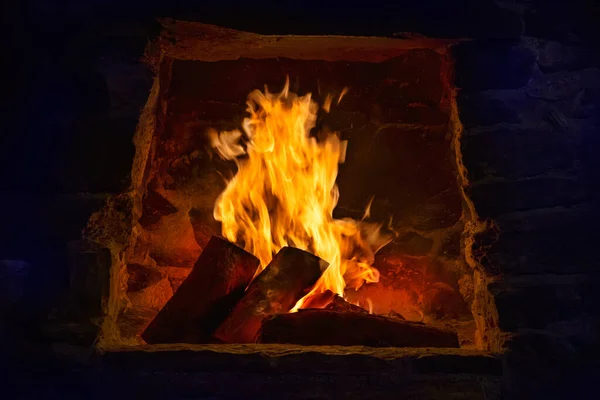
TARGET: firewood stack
(222,301)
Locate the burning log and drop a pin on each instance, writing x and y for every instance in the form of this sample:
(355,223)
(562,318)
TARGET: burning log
(289,276)
(341,305)
(204,299)
(330,301)
(326,327)
(319,300)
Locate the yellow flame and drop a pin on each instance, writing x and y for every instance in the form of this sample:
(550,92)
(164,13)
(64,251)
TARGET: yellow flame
(284,191)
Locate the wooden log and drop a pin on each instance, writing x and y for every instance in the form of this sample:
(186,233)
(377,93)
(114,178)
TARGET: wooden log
(202,302)
(326,327)
(330,301)
(341,305)
(289,276)
(319,300)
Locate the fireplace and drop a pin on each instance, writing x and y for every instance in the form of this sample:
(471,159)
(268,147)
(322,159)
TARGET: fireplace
(472,159)
(392,104)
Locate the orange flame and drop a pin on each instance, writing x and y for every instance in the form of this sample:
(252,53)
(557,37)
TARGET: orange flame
(284,191)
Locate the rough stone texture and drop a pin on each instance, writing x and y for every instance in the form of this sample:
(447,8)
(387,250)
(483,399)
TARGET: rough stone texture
(140,277)
(563,84)
(515,153)
(316,372)
(551,366)
(495,198)
(154,207)
(555,240)
(530,149)
(555,55)
(536,301)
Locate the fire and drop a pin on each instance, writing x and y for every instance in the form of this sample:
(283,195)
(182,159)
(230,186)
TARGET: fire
(284,191)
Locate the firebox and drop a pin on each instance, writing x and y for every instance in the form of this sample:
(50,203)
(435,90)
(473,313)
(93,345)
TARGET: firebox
(389,105)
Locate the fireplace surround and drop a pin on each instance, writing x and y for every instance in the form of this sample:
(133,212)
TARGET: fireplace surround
(459,184)
(523,123)
(399,117)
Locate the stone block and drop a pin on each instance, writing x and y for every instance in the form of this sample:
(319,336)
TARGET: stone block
(140,277)
(452,364)
(516,152)
(557,240)
(543,365)
(267,372)
(483,65)
(554,56)
(112,224)
(563,84)
(499,197)
(204,225)
(586,104)
(536,301)
(154,206)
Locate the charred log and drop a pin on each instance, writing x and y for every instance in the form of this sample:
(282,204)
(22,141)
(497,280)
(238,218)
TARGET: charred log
(204,299)
(327,327)
(288,277)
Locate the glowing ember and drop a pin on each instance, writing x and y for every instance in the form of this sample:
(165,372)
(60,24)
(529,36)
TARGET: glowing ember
(284,191)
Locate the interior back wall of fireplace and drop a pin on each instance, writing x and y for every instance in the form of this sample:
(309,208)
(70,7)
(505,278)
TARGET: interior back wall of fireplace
(396,119)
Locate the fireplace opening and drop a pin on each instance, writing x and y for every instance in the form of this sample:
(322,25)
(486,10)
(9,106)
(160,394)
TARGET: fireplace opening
(385,108)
